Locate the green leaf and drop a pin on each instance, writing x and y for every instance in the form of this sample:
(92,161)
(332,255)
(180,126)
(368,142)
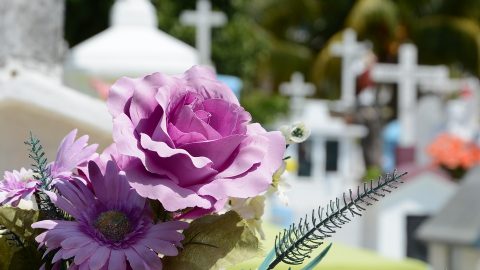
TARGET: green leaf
(215,242)
(268,259)
(317,259)
(12,256)
(19,221)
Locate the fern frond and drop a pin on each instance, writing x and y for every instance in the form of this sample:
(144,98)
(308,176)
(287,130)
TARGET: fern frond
(40,165)
(294,245)
(42,174)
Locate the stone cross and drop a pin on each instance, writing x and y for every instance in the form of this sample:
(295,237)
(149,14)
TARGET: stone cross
(407,74)
(297,89)
(203,19)
(351,53)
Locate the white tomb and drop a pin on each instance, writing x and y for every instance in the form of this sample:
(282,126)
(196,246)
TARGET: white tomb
(31,95)
(131,46)
(203,19)
(423,194)
(462,114)
(330,162)
(453,234)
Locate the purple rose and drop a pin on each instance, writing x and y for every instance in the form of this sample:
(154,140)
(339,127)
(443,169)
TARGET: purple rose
(188,143)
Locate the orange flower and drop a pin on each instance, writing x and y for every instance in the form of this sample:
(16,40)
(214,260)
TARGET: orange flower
(453,152)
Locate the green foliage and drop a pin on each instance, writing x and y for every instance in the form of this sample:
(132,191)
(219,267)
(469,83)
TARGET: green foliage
(263,107)
(372,173)
(311,265)
(215,242)
(42,173)
(375,20)
(13,256)
(85,18)
(295,244)
(40,168)
(239,47)
(449,40)
(326,72)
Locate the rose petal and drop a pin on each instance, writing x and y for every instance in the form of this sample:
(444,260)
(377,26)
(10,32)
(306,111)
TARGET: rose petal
(254,182)
(177,164)
(172,196)
(227,118)
(204,81)
(218,151)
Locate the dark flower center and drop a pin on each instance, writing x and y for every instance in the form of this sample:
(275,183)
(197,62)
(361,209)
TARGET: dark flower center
(297,132)
(114,225)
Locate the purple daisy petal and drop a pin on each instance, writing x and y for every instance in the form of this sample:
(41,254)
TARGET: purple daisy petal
(17,185)
(112,225)
(72,154)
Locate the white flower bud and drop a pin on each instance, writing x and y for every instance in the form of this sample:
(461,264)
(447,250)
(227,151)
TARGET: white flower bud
(296,133)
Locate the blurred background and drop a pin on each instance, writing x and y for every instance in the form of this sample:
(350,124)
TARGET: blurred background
(382,84)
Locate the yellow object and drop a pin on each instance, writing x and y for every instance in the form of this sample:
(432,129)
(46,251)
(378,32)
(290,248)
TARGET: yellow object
(291,165)
(340,257)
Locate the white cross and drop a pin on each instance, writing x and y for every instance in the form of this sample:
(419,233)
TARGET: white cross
(297,89)
(203,19)
(407,74)
(351,53)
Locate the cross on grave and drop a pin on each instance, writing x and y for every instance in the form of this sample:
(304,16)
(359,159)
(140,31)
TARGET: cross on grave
(351,53)
(407,74)
(203,19)
(297,89)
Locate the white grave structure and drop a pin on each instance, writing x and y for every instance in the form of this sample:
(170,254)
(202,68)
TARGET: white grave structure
(203,19)
(430,116)
(391,223)
(131,46)
(453,235)
(297,89)
(407,74)
(352,54)
(462,113)
(31,95)
(330,161)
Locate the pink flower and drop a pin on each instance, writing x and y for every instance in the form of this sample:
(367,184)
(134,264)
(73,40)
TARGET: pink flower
(71,154)
(17,185)
(113,228)
(189,142)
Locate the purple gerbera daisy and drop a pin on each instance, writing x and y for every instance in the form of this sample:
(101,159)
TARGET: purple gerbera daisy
(112,227)
(71,154)
(17,185)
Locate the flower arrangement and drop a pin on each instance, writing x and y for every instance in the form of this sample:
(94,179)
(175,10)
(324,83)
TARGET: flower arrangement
(454,154)
(182,187)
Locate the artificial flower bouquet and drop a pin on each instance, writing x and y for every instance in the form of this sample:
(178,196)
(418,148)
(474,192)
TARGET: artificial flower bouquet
(182,187)
(454,154)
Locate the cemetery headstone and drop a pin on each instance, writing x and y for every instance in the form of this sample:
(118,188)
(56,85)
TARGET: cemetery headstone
(430,120)
(132,46)
(31,95)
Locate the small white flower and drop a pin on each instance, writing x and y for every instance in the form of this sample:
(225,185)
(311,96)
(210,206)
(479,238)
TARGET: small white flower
(280,185)
(251,210)
(295,133)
